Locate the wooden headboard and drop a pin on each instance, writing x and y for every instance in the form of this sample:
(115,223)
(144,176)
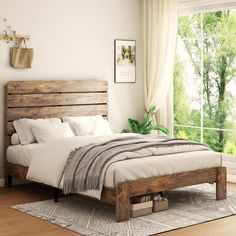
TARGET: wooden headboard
(46,99)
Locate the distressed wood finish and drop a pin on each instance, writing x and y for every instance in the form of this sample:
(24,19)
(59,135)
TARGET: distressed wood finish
(37,100)
(56,111)
(108,195)
(122,202)
(221,192)
(42,99)
(37,87)
(48,99)
(163,183)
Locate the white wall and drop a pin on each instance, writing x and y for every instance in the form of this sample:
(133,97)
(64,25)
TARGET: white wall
(73,39)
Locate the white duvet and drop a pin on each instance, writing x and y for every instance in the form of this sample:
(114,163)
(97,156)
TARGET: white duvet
(49,159)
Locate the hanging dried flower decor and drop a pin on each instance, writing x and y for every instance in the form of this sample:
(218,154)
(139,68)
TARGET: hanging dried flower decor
(9,33)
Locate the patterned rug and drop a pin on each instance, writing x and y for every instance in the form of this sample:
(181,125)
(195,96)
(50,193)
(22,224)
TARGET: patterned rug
(187,206)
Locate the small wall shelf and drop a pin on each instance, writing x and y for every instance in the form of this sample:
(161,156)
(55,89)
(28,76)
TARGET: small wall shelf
(18,37)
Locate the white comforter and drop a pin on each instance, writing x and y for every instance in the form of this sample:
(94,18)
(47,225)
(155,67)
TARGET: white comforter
(48,161)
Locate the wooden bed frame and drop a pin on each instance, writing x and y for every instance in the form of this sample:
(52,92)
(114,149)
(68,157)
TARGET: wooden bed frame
(44,99)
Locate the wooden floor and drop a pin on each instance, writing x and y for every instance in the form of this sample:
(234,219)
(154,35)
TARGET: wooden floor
(15,223)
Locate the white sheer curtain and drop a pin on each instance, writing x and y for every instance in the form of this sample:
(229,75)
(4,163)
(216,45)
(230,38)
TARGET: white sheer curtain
(160,19)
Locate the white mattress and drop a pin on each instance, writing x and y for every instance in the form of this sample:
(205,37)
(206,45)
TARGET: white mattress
(134,168)
(21,154)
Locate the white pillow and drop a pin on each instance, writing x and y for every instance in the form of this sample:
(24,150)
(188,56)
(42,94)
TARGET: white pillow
(102,128)
(23,128)
(98,127)
(83,125)
(48,132)
(15,139)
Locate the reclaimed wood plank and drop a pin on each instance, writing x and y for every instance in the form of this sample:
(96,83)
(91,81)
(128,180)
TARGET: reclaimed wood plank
(70,86)
(162,183)
(59,111)
(40,100)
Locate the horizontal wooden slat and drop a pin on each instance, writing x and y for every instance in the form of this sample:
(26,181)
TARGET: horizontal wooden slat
(162,183)
(31,87)
(32,100)
(60,111)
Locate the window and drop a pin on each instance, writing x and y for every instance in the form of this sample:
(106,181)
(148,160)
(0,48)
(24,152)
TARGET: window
(205,80)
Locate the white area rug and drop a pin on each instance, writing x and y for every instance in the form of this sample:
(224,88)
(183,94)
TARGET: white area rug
(187,206)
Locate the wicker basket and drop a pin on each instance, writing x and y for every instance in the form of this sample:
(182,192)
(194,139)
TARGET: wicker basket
(141,209)
(160,205)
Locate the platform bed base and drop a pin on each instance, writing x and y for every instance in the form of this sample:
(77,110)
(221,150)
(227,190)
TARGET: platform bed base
(120,196)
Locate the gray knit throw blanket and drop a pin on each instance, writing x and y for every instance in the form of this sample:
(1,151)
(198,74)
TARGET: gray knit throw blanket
(85,164)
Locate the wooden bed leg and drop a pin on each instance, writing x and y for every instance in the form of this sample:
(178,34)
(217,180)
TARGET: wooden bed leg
(221,192)
(122,202)
(8,181)
(56,193)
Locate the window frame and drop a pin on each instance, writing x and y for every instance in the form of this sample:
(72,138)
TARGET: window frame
(202,128)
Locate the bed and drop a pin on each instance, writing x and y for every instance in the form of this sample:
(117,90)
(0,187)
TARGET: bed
(46,99)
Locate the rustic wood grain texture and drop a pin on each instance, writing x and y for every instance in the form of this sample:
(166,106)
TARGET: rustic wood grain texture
(45,99)
(48,99)
(55,111)
(122,202)
(32,100)
(162,183)
(108,195)
(221,192)
(69,86)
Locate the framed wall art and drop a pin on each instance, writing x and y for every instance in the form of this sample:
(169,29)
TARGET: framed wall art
(125,61)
